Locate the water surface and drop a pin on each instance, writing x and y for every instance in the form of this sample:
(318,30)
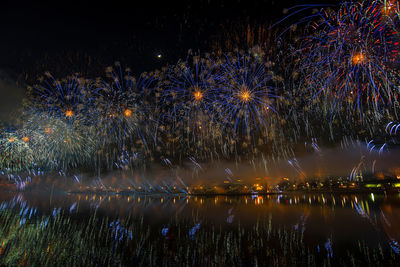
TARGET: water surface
(281,230)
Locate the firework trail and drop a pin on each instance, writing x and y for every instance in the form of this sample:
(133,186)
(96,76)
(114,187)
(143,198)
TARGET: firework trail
(122,116)
(15,153)
(188,107)
(246,94)
(70,99)
(350,58)
(339,82)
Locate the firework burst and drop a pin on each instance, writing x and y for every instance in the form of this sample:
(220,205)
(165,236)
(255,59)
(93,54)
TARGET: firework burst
(15,153)
(58,143)
(71,98)
(246,96)
(123,116)
(349,59)
(189,103)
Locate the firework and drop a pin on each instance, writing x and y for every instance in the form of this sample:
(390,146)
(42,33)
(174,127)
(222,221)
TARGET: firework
(349,60)
(122,113)
(70,98)
(189,104)
(191,90)
(246,94)
(338,83)
(58,143)
(15,153)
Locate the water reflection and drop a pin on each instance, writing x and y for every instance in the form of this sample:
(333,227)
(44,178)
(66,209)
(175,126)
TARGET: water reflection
(310,229)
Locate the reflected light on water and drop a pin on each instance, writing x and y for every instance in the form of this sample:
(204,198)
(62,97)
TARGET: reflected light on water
(322,227)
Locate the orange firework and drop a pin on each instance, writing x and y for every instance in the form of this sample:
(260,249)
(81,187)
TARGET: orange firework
(358,58)
(198,95)
(128,113)
(245,95)
(69,113)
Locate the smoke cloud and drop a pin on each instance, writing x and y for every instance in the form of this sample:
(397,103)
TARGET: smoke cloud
(10,100)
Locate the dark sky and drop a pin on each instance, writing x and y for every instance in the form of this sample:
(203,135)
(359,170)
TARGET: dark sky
(36,35)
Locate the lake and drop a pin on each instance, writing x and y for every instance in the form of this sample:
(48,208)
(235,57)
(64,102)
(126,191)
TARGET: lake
(38,229)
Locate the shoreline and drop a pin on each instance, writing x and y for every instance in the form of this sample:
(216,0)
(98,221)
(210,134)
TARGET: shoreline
(210,194)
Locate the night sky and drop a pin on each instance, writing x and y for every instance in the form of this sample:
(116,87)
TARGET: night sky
(67,37)
(59,35)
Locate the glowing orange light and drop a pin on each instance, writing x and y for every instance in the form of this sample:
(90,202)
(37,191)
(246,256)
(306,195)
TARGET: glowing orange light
(259,199)
(47,130)
(69,113)
(387,8)
(11,140)
(25,139)
(198,95)
(128,113)
(398,177)
(245,95)
(358,58)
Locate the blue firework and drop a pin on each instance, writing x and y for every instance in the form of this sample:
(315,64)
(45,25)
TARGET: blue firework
(123,115)
(189,94)
(70,98)
(349,57)
(245,99)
